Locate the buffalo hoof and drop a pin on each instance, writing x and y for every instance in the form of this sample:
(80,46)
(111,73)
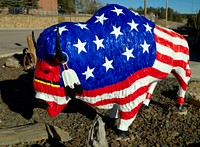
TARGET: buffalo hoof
(180,107)
(122,135)
(39,103)
(109,122)
(181,110)
(143,107)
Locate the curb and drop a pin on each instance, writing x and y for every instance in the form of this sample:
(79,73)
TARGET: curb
(9,54)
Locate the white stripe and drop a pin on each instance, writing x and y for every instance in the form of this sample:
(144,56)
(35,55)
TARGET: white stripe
(188,67)
(181,72)
(121,93)
(52,98)
(175,40)
(146,102)
(130,106)
(181,92)
(169,52)
(166,68)
(107,106)
(124,124)
(152,87)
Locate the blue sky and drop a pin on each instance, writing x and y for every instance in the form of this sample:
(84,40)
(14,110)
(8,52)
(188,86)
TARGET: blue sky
(181,6)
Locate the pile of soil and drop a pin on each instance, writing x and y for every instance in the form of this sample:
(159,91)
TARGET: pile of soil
(156,126)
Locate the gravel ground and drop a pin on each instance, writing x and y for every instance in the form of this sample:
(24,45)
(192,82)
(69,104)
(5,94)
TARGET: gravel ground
(156,126)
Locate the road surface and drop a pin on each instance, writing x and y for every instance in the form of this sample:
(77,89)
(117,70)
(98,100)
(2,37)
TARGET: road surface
(14,40)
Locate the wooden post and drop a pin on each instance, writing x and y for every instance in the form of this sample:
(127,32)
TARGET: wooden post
(166,13)
(145,7)
(29,54)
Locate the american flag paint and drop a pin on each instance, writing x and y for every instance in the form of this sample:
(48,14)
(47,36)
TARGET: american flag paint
(117,55)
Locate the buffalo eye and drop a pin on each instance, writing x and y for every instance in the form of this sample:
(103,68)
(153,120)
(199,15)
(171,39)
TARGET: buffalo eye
(46,71)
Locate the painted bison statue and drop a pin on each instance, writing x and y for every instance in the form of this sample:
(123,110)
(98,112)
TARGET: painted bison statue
(112,61)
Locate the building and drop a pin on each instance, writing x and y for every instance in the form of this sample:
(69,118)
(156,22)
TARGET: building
(48,7)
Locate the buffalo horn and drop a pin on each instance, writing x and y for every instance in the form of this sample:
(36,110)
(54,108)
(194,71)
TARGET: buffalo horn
(59,54)
(33,38)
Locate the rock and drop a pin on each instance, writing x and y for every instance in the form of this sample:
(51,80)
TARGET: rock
(115,143)
(132,137)
(30,133)
(174,134)
(97,134)
(124,143)
(12,62)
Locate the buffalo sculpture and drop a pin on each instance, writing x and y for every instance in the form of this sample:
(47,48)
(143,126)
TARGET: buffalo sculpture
(112,61)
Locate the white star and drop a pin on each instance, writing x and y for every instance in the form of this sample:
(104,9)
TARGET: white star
(128,53)
(133,25)
(88,73)
(82,26)
(118,11)
(99,43)
(81,46)
(145,47)
(135,13)
(61,29)
(100,19)
(116,31)
(148,28)
(108,64)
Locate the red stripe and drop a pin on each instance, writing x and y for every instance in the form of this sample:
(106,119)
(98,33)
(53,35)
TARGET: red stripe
(180,63)
(130,114)
(176,48)
(122,101)
(54,109)
(181,81)
(164,58)
(115,87)
(170,61)
(171,32)
(126,83)
(157,73)
(49,89)
(180,100)
(148,96)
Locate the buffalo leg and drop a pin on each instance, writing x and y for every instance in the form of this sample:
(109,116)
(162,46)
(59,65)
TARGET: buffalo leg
(183,77)
(149,95)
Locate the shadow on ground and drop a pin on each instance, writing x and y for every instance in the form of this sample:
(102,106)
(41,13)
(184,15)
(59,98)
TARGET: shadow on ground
(195,56)
(19,96)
